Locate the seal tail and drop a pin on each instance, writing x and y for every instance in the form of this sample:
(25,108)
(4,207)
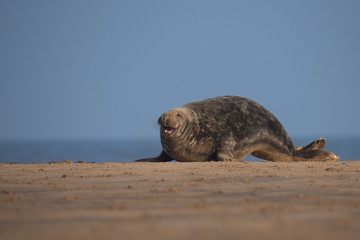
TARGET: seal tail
(314,152)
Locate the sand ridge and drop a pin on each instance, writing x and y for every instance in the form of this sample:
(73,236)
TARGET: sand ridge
(211,200)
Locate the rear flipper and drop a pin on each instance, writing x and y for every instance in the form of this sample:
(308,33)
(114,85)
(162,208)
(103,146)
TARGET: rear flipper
(318,144)
(314,152)
(163,157)
(311,153)
(314,155)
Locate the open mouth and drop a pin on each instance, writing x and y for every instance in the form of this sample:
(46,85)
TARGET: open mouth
(169,130)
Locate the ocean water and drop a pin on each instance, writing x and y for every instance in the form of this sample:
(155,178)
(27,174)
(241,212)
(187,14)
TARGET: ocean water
(128,150)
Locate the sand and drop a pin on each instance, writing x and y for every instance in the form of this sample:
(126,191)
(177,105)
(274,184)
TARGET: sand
(214,200)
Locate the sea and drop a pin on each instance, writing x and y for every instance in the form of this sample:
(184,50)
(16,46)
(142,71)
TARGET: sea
(128,150)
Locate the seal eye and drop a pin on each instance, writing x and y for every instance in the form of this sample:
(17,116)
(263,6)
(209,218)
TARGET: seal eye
(179,115)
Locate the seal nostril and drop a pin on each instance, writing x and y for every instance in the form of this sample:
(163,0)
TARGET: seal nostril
(164,116)
(168,121)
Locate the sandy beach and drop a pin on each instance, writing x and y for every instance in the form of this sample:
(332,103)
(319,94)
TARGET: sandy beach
(214,200)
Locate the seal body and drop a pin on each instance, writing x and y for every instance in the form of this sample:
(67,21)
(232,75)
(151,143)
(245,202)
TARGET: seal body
(227,129)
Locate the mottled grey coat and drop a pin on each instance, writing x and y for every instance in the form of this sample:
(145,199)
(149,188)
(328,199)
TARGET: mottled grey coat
(227,129)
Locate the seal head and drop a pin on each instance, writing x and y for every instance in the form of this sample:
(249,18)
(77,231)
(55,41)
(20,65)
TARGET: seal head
(173,123)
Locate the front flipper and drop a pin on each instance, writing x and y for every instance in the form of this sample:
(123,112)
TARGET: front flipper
(163,157)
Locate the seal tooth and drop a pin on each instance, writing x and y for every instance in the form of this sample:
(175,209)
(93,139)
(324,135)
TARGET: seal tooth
(169,130)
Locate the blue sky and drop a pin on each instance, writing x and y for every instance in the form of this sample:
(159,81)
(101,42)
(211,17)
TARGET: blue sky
(108,69)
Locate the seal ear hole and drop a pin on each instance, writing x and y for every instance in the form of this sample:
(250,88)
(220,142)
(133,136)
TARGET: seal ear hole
(179,115)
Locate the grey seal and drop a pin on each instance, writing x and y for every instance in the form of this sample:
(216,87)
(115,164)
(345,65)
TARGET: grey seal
(228,128)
